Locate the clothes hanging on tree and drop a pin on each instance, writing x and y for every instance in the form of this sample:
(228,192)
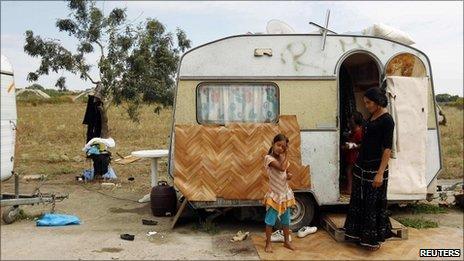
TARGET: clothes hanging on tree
(92,117)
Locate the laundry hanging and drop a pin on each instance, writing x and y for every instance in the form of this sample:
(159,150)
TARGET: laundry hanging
(92,117)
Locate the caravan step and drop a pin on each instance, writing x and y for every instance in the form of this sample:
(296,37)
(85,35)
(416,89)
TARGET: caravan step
(333,224)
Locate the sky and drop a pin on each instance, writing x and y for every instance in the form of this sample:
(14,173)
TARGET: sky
(436,27)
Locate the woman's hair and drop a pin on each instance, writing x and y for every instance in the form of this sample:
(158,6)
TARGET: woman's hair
(377,95)
(358,118)
(278,137)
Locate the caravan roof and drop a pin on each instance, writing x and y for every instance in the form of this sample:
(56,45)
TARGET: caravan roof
(292,55)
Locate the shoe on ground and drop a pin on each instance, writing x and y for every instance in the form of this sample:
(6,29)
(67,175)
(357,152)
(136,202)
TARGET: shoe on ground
(278,236)
(304,231)
(240,236)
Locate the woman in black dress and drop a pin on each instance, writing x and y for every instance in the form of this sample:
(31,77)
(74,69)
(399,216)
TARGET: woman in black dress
(367,221)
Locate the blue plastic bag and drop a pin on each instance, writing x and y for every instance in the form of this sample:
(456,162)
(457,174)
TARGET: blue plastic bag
(52,219)
(89,174)
(93,151)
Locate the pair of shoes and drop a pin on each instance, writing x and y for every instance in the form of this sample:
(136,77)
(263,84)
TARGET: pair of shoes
(240,236)
(278,236)
(304,231)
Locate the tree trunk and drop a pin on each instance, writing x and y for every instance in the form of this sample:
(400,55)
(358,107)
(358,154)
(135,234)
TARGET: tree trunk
(104,121)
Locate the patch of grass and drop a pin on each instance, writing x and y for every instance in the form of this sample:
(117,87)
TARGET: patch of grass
(51,136)
(419,223)
(423,208)
(208,227)
(451,137)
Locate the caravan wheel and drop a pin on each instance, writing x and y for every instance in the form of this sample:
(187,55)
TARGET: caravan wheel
(303,212)
(10,214)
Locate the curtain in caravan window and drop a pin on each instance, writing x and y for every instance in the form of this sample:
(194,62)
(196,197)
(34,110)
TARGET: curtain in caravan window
(223,103)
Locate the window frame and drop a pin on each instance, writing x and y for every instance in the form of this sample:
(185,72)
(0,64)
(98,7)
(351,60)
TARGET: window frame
(235,83)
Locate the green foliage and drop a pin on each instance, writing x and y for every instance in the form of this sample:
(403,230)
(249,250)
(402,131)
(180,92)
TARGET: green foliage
(427,209)
(36,86)
(458,103)
(61,84)
(137,63)
(418,223)
(445,97)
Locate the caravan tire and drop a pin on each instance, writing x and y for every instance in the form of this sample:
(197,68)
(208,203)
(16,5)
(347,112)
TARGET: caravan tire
(10,214)
(303,213)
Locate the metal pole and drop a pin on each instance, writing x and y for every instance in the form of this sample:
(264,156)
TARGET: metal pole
(16,182)
(324,31)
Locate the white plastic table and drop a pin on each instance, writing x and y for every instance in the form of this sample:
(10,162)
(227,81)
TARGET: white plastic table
(154,155)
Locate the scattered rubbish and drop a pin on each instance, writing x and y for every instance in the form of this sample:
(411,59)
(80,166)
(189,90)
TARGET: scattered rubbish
(34,177)
(128,237)
(101,142)
(240,236)
(306,230)
(52,219)
(149,222)
(89,174)
(131,179)
(151,233)
(278,236)
(107,185)
(126,160)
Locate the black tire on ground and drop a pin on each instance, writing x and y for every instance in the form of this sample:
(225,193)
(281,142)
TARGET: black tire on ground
(304,211)
(10,214)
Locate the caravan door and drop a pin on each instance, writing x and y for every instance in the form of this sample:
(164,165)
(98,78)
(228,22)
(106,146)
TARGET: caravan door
(408,106)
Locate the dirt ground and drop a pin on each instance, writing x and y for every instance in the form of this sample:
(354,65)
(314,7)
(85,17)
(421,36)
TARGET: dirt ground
(105,217)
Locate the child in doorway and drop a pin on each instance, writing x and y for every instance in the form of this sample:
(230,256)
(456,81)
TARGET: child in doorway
(351,147)
(279,198)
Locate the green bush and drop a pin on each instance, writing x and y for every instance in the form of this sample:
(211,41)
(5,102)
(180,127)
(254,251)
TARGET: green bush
(459,103)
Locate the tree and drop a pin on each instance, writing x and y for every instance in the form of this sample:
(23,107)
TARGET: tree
(136,64)
(61,84)
(445,97)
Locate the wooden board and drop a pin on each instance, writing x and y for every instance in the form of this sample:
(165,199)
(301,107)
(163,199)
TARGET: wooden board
(228,161)
(333,223)
(321,246)
(126,160)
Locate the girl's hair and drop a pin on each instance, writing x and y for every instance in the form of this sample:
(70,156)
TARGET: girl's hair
(278,137)
(358,118)
(377,95)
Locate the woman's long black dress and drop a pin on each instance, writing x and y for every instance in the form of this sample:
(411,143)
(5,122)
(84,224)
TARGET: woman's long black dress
(367,219)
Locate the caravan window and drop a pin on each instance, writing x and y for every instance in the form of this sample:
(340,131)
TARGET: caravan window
(220,103)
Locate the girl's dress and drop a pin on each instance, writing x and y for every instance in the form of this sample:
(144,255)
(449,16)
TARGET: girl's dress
(280,195)
(367,218)
(352,154)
